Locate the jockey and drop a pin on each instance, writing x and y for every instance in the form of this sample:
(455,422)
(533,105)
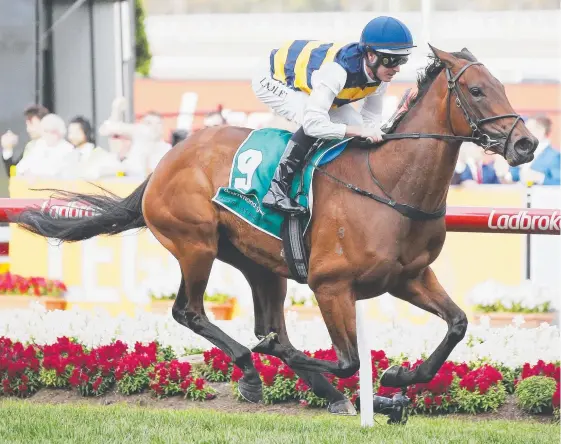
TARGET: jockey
(312,83)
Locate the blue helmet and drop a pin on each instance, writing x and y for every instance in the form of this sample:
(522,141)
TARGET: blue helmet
(387,35)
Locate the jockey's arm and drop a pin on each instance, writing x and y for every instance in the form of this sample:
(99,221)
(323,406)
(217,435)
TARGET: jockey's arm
(373,106)
(327,82)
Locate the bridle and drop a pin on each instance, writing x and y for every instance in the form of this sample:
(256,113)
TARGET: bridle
(478,137)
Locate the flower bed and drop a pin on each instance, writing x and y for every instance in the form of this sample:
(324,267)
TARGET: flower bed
(469,382)
(92,372)
(16,285)
(472,387)
(19,292)
(468,388)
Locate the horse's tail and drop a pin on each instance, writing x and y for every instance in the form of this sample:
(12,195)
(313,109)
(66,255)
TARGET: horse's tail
(111,215)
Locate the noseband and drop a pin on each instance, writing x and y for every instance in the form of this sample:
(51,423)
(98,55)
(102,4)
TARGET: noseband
(478,136)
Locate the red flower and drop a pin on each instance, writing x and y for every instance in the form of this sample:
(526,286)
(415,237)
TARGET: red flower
(301,386)
(349,383)
(483,378)
(200,383)
(173,374)
(286,372)
(97,383)
(156,387)
(377,355)
(237,374)
(384,363)
(185,384)
(428,401)
(268,373)
(184,369)
(438,400)
(388,392)
(274,361)
(74,379)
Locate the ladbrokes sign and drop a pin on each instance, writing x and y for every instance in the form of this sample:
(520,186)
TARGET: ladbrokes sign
(525,221)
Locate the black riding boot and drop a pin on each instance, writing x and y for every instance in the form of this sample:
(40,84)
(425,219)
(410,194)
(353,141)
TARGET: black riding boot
(295,153)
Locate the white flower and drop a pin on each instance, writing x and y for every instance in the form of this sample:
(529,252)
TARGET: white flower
(518,320)
(511,346)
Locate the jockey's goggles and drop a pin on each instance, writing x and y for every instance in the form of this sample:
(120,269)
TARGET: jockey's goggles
(391,60)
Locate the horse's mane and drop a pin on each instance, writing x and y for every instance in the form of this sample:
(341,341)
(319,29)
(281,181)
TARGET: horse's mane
(425,80)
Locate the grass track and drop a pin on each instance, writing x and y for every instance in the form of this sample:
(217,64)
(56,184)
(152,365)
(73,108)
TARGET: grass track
(23,422)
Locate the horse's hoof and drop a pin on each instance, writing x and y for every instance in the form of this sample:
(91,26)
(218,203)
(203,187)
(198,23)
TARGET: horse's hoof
(342,407)
(251,392)
(393,377)
(267,344)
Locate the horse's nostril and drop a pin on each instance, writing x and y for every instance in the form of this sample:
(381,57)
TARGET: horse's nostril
(524,145)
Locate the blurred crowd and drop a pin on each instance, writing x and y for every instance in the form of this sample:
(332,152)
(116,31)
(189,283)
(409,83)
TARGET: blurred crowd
(67,150)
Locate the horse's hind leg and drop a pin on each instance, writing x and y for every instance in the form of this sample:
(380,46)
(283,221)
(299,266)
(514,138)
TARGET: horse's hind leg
(269,292)
(188,310)
(426,292)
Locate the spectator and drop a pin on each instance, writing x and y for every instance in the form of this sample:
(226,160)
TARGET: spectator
(479,170)
(153,120)
(148,145)
(545,168)
(88,161)
(47,157)
(9,140)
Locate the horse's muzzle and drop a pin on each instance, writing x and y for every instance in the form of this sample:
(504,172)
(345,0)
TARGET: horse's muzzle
(521,151)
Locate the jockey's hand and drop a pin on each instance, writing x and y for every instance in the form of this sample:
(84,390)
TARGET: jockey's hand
(371,134)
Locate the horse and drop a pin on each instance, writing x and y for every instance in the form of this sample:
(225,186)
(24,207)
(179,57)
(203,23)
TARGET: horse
(360,244)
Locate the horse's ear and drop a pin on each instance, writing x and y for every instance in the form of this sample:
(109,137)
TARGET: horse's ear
(445,57)
(467,51)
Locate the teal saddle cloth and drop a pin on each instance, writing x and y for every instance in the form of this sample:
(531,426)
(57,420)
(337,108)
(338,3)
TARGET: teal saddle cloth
(252,170)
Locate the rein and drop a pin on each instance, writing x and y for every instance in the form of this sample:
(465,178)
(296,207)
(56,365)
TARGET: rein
(478,137)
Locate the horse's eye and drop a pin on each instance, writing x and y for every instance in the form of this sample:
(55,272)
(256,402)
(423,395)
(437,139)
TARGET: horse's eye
(476,92)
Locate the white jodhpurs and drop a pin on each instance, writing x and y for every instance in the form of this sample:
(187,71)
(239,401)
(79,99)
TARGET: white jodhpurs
(290,104)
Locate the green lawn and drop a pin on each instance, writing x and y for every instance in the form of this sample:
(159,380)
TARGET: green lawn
(22,422)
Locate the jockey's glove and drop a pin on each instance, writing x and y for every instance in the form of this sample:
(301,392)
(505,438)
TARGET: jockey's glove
(372,134)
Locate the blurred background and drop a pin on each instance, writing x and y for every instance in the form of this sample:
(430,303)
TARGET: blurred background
(111,86)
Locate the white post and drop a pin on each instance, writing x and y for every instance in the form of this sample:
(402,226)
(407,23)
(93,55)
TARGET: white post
(366,396)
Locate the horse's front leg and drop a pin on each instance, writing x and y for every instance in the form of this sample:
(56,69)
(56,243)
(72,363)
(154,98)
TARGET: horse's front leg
(426,292)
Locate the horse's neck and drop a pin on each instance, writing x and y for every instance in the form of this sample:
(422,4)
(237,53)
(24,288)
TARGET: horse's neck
(419,171)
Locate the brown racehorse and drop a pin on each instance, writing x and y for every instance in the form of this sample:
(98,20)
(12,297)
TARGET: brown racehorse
(359,248)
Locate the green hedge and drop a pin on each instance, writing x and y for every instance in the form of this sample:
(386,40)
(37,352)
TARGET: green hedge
(142,48)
